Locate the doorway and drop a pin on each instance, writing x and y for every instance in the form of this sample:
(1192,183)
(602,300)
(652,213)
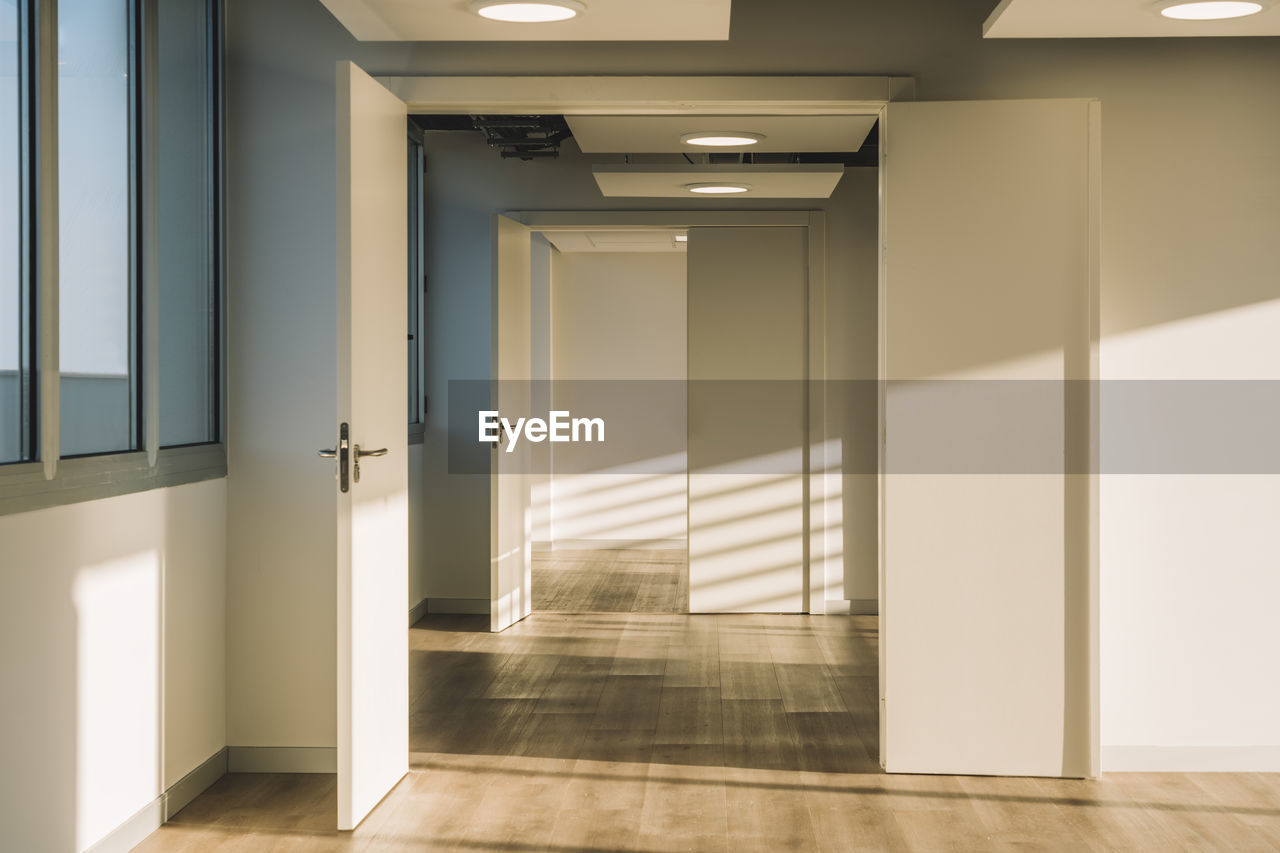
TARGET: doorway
(609,317)
(735,420)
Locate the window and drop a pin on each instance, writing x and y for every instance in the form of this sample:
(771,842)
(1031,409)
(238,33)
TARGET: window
(188,265)
(113,346)
(15,278)
(417,277)
(97,206)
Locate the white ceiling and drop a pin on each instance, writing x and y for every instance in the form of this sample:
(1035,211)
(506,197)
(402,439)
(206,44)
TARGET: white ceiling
(1114,19)
(604,20)
(652,134)
(789,181)
(646,241)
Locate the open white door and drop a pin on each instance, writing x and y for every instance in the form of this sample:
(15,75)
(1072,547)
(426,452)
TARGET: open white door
(989,295)
(372,522)
(511,368)
(748,356)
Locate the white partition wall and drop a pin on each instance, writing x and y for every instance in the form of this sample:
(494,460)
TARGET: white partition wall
(987,309)
(748,427)
(510,504)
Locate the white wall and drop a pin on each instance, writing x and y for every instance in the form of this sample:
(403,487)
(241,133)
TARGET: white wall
(113,625)
(619,316)
(1185,234)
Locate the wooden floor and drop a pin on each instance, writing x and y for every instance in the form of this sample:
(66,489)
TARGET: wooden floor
(634,581)
(644,732)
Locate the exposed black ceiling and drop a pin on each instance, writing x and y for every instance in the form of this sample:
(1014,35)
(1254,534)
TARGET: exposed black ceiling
(539,137)
(513,137)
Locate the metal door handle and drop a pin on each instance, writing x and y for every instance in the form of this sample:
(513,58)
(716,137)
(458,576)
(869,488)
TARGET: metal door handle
(359,454)
(340,453)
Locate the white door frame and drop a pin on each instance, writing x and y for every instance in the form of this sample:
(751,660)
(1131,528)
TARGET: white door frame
(743,95)
(819,512)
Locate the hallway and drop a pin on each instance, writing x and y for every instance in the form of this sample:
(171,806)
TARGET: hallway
(645,732)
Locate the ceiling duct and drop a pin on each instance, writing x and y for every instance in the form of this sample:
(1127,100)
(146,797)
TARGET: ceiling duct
(523,137)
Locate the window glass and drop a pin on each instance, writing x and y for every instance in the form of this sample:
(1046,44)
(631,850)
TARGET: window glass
(188,270)
(95,211)
(12,274)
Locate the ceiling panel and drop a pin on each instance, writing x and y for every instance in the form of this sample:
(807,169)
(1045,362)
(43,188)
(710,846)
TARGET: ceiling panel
(661,134)
(642,241)
(603,20)
(798,181)
(1114,19)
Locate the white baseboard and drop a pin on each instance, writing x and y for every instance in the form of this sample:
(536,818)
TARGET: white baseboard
(282,759)
(459,606)
(152,816)
(856,607)
(1191,759)
(195,783)
(619,545)
(417,612)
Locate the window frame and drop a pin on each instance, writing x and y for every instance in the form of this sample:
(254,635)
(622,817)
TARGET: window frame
(48,479)
(417,285)
(28,289)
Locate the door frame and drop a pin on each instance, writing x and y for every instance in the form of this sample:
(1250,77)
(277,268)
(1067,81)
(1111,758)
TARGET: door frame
(819,514)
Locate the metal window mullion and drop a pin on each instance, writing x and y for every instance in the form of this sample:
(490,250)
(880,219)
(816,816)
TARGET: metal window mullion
(146,222)
(29,296)
(45,188)
(217,81)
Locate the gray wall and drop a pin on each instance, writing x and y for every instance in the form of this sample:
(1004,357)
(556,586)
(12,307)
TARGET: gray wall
(1189,218)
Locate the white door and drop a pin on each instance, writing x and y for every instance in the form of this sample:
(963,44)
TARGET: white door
(748,351)
(511,368)
(988,576)
(373,521)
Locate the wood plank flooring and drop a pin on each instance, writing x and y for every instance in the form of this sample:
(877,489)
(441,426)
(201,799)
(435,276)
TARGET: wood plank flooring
(660,732)
(621,581)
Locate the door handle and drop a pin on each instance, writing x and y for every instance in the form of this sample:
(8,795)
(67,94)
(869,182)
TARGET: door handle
(340,453)
(360,454)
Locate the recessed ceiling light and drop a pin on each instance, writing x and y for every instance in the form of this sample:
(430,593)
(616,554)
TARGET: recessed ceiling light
(682,238)
(1209,10)
(717,188)
(528,11)
(722,139)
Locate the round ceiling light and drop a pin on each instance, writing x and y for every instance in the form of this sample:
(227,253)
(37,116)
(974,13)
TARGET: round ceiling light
(722,139)
(1209,10)
(528,11)
(718,188)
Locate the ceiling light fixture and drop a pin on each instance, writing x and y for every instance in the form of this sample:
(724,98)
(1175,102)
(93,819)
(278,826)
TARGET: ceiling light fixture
(722,139)
(717,188)
(528,11)
(1209,10)
(682,238)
